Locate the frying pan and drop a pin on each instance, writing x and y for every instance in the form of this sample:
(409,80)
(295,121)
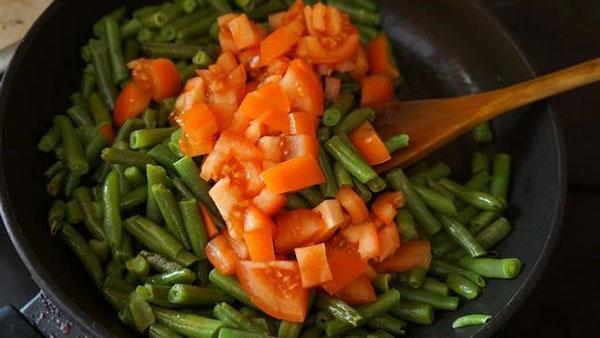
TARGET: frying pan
(444,48)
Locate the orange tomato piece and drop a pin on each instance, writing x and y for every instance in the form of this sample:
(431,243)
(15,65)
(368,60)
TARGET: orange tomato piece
(386,205)
(381,59)
(409,255)
(223,113)
(230,201)
(194,92)
(229,145)
(389,240)
(280,41)
(360,65)
(130,102)
(303,123)
(158,78)
(275,288)
(300,145)
(303,88)
(345,267)
(268,202)
(332,87)
(199,127)
(353,204)
(244,32)
(296,228)
(108,132)
(221,255)
(369,144)
(211,228)
(295,174)
(333,218)
(269,105)
(358,292)
(365,236)
(314,268)
(258,234)
(376,90)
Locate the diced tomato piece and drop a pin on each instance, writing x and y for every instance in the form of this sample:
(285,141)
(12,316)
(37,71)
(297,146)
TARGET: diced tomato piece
(371,273)
(358,292)
(295,174)
(376,90)
(227,42)
(271,147)
(268,202)
(333,218)
(211,228)
(353,204)
(280,41)
(239,247)
(221,255)
(332,88)
(409,255)
(269,105)
(381,59)
(108,132)
(314,269)
(365,236)
(328,51)
(131,102)
(303,87)
(243,32)
(231,204)
(369,144)
(255,131)
(386,205)
(194,92)
(276,20)
(296,228)
(389,240)
(258,234)
(300,145)
(229,145)
(158,78)
(345,268)
(275,288)
(224,19)
(303,123)
(199,127)
(360,65)
(223,113)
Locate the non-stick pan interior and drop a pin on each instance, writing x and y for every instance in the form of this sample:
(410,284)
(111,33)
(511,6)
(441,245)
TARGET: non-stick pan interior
(444,48)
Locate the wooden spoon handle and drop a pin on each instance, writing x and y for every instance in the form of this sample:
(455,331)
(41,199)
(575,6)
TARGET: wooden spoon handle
(503,100)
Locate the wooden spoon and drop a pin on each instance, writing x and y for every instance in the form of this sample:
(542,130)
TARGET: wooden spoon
(433,123)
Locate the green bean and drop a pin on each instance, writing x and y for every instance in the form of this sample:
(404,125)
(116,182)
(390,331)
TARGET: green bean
(348,158)
(72,146)
(117,299)
(323,134)
(100,112)
(263,11)
(467,214)
(188,71)
(423,296)
(414,203)
(141,312)
(334,114)
(377,184)
(188,19)
(184,275)
(295,201)
(116,15)
(133,198)
(148,137)
(382,282)
(482,133)
(349,84)
(54,169)
(194,226)
(155,294)
(471,320)
(436,201)
(500,176)
(94,148)
(199,27)
(289,329)
(231,286)
(114,267)
(115,282)
(477,199)
(233,318)
(488,237)
(312,195)
(112,215)
(137,267)
(338,309)
(55,185)
(507,268)
(188,6)
(130,29)
(145,11)
(186,324)
(170,50)
(188,171)
(233,333)
(367,33)
(362,190)
(342,176)
(164,156)
(145,35)
(439,170)
(167,14)
(83,251)
(160,263)
(202,59)
(484,219)
(92,223)
(160,331)
(56,216)
(189,295)
(125,250)
(442,268)
(49,140)
(420,313)
(312,332)
(102,72)
(382,334)
(126,317)
(389,324)
(158,239)
(150,118)
(416,277)
(74,214)
(135,177)
(406,225)
(358,332)
(462,236)
(126,129)
(126,157)
(72,181)
(462,286)
(353,120)
(480,163)
(88,83)
(357,14)
(202,270)
(478,182)
(369,311)
(397,142)
(433,285)
(184,192)
(113,42)
(220,6)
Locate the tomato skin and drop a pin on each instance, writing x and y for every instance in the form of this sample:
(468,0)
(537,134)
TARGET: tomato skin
(221,255)
(130,102)
(389,240)
(280,41)
(359,292)
(381,59)
(345,267)
(409,255)
(275,288)
(314,268)
(369,144)
(353,204)
(312,48)
(158,78)
(230,201)
(376,90)
(303,88)
(199,128)
(296,228)
(294,174)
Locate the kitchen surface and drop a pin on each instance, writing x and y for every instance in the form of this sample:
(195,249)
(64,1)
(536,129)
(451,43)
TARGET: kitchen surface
(554,34)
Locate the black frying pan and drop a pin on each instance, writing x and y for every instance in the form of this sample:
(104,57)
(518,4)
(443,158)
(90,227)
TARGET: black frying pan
(445,48)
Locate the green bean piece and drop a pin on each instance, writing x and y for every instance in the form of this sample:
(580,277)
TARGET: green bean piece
(202,59)
(369,311)
(377,184)
(112,215)
(190,175)
(49,140)
(420,313)
(54,169)
(234,333)
(263,11)
(477,199)
(367,33)
(436,201)
(155,294)
(126,317)
(471,320)
(184,275)
(187,6)
(433,285)
(289,329)
(71,182)
(170,50)
(362,190)
(478,182)
(167,14)
(115,282)
(324,134)
(120,72)
(125,250)
(381,334)
(116,15)
(148,137)
(334,114)
(146,34)
(406,225)
(348,158)
(442,268)
(100,112)
(416,277)
(84,252)
(130,29)
(158,239)
(74,214)
(186,20)
(342,176)
(94,148)
(150,118)
(145,11)
(483,219)
(353,120)
(186,324)
(231,286)
(133,198)
(437,187)
(500,176)
(459,233)
(423,296)
(462,286)
(488,237)
(92,223)
(183,192)
(160,263)
(164,156)
(482,133)
(126,157)
(137,267)
(397,142)
(220,6)
(72,146)
(187,71)
(467,214)
(233,318)
(414,203)
(312,332)
(248,5)
(197,28)
(389,324)
(358,332)
(507,268)
(126,129)
(117,299)
(135,177)
(357,14)
(56,216)
(194,226)
(436,172)
(312,195)
(102,72)
(338,309)
(160,331)
(382,282)
(141,312)
(480,163)
(295,201)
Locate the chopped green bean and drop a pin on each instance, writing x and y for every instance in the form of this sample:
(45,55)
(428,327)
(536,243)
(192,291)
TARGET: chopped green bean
(507,268)
(471,320)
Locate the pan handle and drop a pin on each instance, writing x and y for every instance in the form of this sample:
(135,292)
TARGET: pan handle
(15,324)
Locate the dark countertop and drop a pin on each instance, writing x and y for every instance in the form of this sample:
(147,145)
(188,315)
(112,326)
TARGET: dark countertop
(555,34)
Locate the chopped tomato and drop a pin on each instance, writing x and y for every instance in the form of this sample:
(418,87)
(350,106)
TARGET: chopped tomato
(223,113)
(296,228)
(239,247)
(365,236)
(409,255)
(221,255)
(312,261)
(258,234)
(268,202)
(302,86)
(244,32)
(108,132)
(300,145)
(345,267)
(376,90)
(228,154)
(389,240)
(358,292)
(211,228)
(366,140)
(194,92)
(303,123)
(272,148)
(353,204)
(381,60)
(386,205)
(255,131)
(295,174)
(371,273)
(280,41)
(199,128)
(333,218)
(231,204)
(275,288)
(332,88)
(158,78)
(130,103)
(360,66)
(268,105)
(294,12)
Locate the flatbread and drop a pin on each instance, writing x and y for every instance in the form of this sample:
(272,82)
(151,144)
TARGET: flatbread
(16,16)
